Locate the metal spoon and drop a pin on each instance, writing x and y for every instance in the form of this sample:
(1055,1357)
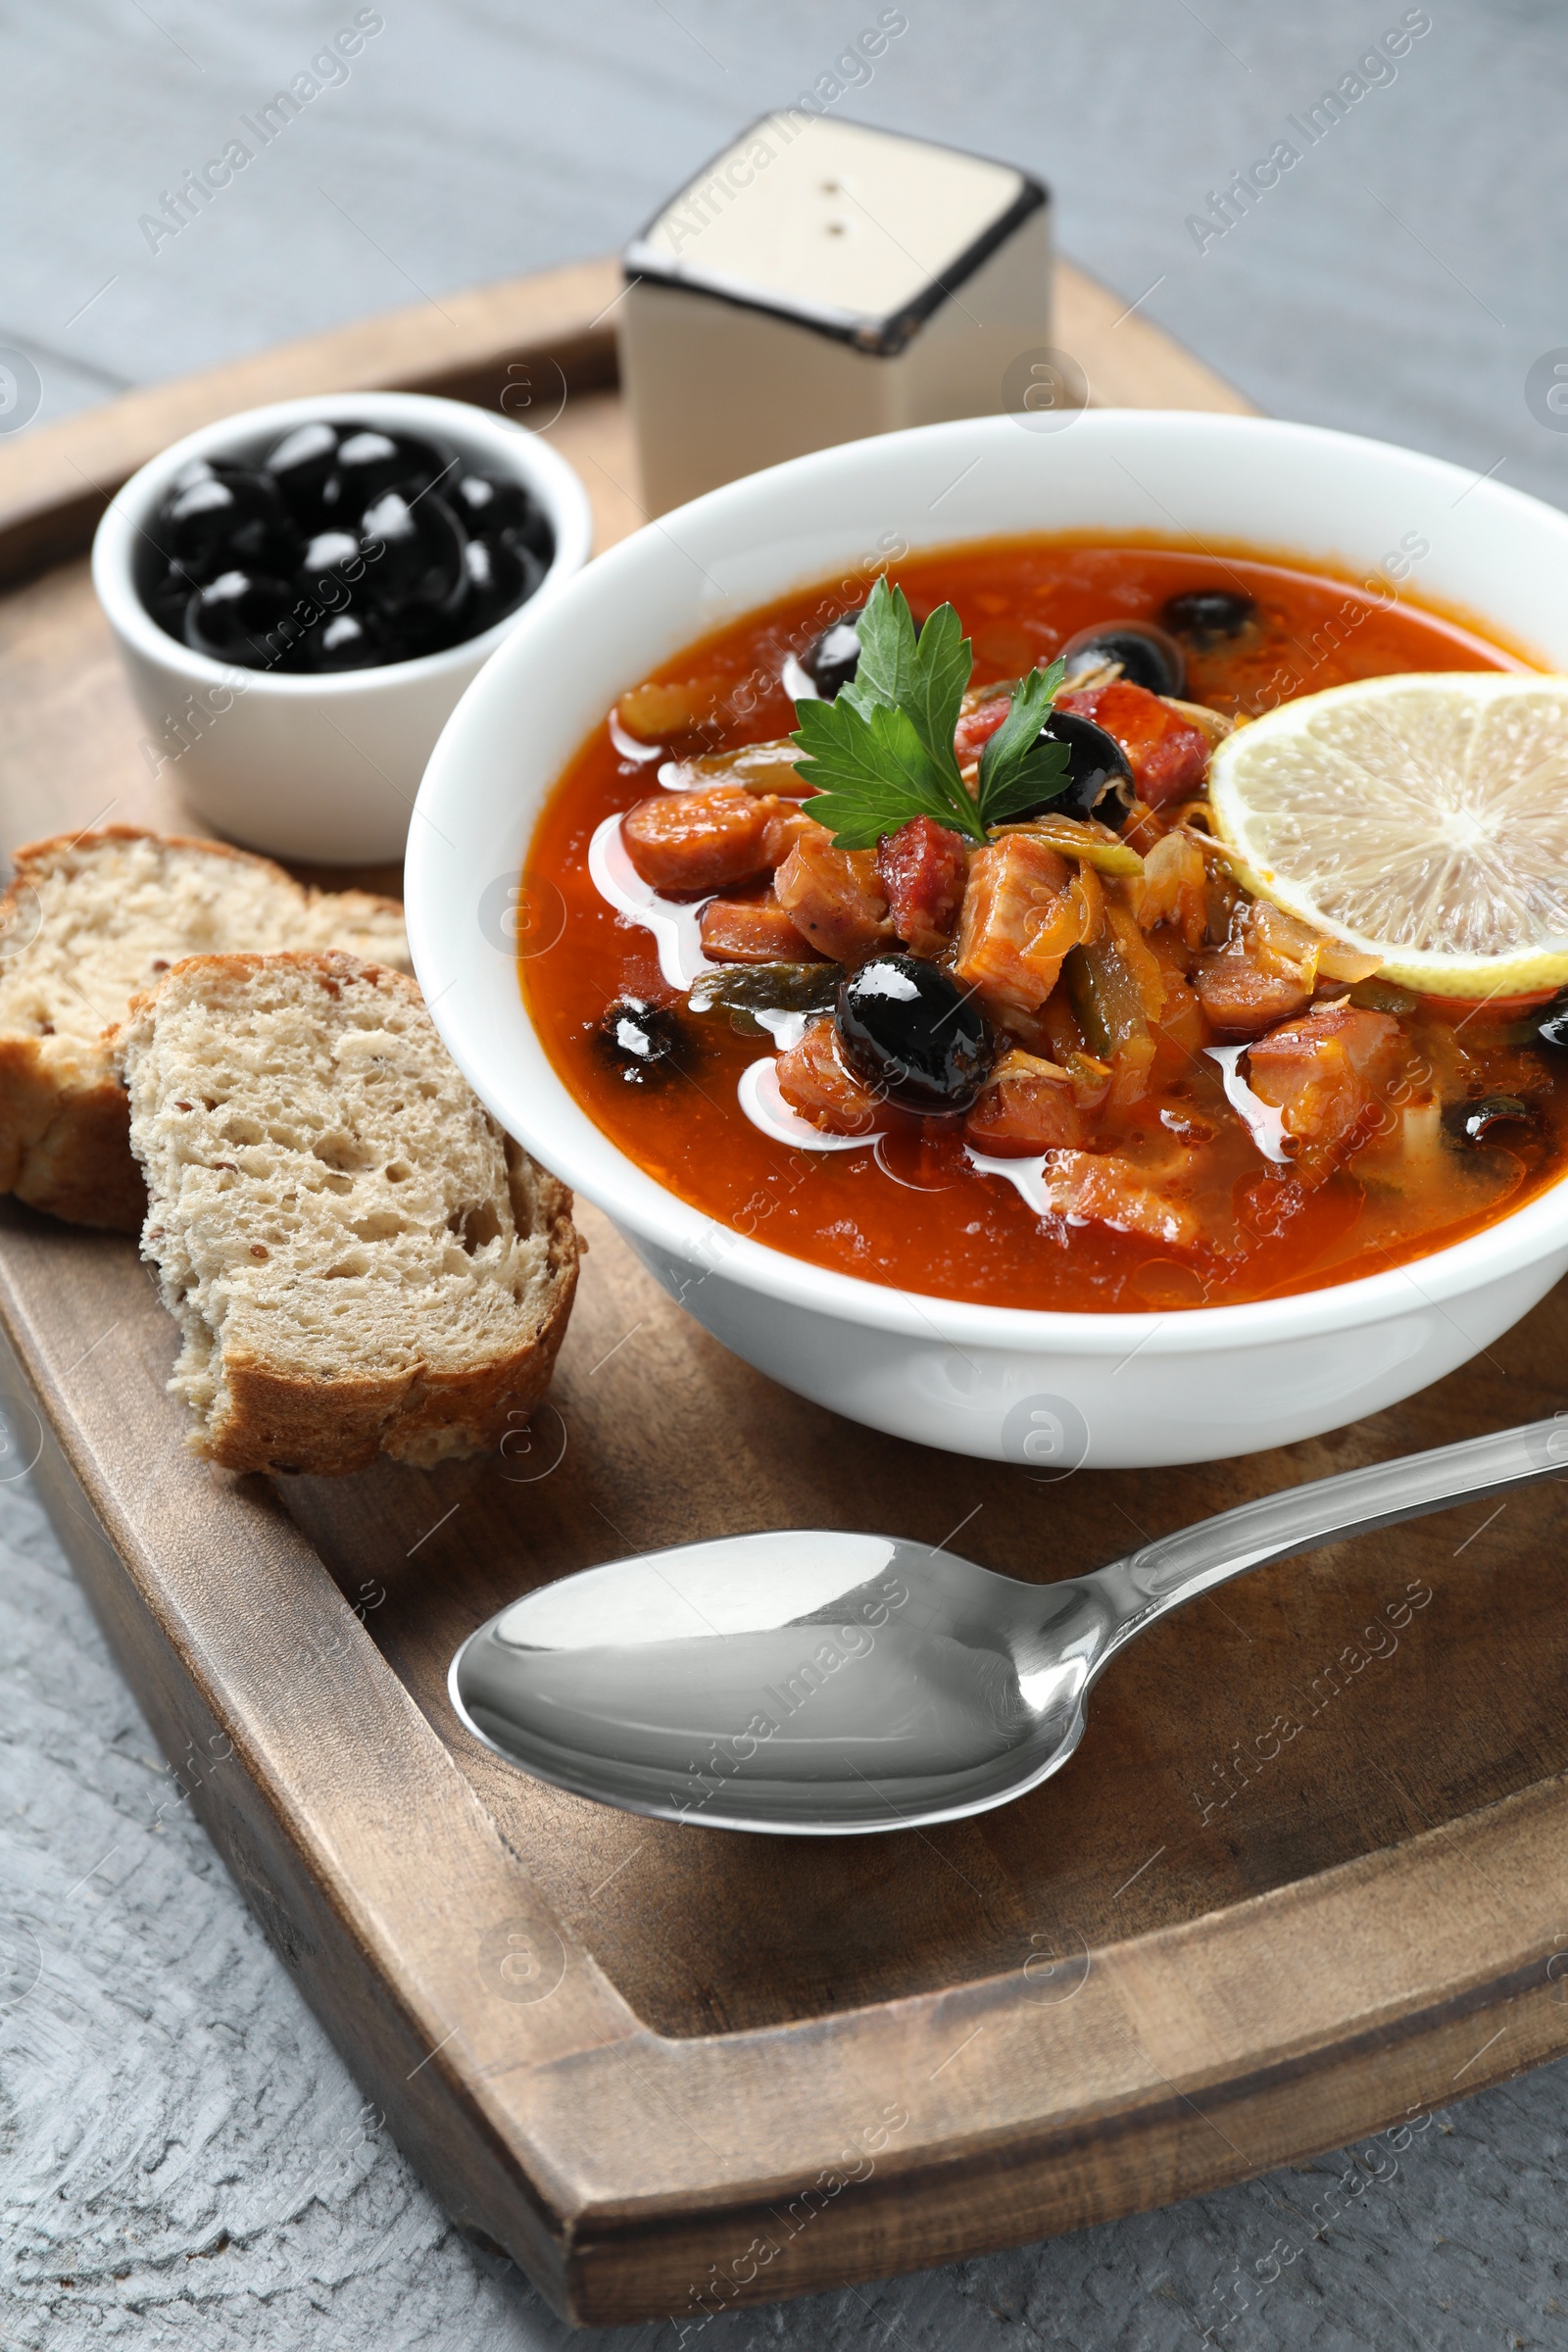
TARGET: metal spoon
(819,1684)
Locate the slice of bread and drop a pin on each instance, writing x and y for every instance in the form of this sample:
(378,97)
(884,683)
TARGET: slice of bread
(89,921)
(360,1260)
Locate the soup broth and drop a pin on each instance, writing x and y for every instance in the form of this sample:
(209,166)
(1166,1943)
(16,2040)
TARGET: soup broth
(1112,1159)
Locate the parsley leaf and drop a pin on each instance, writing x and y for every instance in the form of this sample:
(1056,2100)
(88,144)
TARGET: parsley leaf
(944,660)
(882,750)
(873,774)
(888,645)
(1018,769)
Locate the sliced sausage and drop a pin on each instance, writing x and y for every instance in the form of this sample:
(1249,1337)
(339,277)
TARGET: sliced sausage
(922,869)
(1028,1106)
(690,841)
(834,897)
(814,1083)
(750,931)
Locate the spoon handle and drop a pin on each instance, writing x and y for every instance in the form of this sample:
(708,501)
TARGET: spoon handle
(1151,1583)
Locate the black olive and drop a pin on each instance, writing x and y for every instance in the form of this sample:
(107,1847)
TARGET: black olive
(905,1029)
(1550,1025)
(1205,616)
(1148,655)
(345,641)
(501,575)
(274,537)
(240,617)
(167,598)
(327,551)
(221,520)
(484,502)
(534,567)
(488,505)
(257,547)
(644,1043)
(832,659)
(327,557)
(369,463)
(1099,776)
(414,549)
(1473,1120)
(302,464)
(535,534)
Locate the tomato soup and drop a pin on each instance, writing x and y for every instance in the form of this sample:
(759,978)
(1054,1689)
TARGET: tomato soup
(1060,1061)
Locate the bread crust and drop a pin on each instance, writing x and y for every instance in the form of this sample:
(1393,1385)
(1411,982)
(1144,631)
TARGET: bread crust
(65,1121)
(279,1422)
(75,1160)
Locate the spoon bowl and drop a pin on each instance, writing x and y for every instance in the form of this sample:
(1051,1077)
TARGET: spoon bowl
(807,1681)
(856,1678)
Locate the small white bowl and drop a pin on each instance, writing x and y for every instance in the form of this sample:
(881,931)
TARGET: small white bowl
(1046,1389)
(320,768)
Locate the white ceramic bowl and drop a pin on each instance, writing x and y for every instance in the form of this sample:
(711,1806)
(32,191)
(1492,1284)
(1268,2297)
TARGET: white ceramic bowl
(318,768)
(1048,1389)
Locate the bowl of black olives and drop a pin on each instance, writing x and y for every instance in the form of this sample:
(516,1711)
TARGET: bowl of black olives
(302,593)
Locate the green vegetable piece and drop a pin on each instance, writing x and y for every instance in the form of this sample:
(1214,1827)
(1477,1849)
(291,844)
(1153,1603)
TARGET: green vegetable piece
(882,750)
(1017,771)
(1104,997)
(1383,995)
(745,990)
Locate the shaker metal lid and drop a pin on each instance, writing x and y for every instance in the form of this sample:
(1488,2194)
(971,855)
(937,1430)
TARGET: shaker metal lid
(861,234)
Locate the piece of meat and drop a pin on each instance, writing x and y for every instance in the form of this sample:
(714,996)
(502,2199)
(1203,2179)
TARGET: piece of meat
(1101,1187)
(1241,1000)
(1168,755)
(785,828)
(834,897)
(1174,888)
(976,728)
(1028,1106)
(750,931)
(1265,972)
(1328,1075)
(814,1083)
(700,840)
(1269,967)
(1023,909)
(922,869)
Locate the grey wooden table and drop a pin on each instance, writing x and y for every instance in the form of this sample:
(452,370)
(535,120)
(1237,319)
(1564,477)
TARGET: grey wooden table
(183,2160)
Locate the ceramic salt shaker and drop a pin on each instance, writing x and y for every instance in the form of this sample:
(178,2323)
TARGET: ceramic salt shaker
(820,281)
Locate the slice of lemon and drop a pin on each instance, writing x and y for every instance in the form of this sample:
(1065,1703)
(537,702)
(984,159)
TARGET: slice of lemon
(1424,818)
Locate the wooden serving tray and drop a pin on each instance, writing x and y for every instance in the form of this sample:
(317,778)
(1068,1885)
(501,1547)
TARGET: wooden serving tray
(1304,1878)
